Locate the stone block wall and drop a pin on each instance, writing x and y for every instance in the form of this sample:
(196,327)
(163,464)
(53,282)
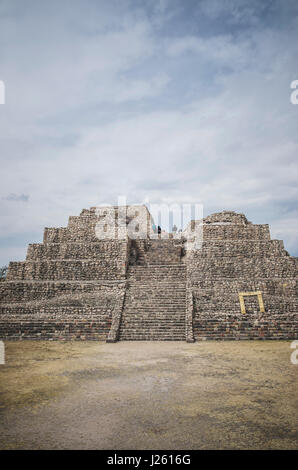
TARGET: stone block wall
(237,256)
(159,251)
(68,311)
(67,270)
(69,287)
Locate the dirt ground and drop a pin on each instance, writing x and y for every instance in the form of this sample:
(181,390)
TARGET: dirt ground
(148,395)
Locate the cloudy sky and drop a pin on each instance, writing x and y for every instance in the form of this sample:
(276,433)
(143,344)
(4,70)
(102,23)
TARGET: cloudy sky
(159,100)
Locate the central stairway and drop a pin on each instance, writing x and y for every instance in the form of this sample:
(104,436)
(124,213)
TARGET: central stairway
(155,303)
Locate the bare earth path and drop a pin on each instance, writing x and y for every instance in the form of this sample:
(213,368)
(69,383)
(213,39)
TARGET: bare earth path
(148,395)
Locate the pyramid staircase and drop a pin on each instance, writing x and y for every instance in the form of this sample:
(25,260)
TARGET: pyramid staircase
(155,299)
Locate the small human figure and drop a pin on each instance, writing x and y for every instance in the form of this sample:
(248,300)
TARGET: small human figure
(159,230)
(174,229)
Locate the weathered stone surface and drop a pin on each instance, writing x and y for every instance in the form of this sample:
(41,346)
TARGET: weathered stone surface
(77,286)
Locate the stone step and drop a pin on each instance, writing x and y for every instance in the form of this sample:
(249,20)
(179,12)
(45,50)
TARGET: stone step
(155,267)
(170,294)
(154,335)
(155,302)
(156,297)
(157,321)
(150,309)
(152,326)
(175,277)
(131,306)
(153,307)
(153,338)
(155,289)
(162,282)
(159,269)
(148,316)
(138,330)
(133,285)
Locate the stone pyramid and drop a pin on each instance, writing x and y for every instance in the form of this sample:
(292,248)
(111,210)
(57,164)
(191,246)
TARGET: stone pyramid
(230,282)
